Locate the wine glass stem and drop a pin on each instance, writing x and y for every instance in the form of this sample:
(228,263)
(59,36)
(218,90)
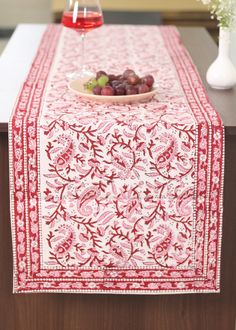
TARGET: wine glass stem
(83,51)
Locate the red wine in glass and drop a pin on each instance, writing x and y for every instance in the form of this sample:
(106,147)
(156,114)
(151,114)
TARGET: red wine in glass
(92,21)
(82,16)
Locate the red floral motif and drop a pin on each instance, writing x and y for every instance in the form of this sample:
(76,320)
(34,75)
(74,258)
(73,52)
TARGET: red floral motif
(66,154)
(128,205)
(116,198)
(184,203)
(164,239)
(165,152)
(65,242)
(85,201)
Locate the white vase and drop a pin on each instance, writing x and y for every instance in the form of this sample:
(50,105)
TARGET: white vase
(222,73)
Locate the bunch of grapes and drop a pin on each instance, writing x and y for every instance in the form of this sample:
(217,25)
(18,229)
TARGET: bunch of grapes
(128,83)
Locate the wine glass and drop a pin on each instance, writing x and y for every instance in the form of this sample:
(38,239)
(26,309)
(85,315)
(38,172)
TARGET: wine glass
(82,16)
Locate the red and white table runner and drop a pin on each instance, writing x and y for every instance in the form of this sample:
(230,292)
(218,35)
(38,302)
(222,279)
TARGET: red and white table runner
(116,198)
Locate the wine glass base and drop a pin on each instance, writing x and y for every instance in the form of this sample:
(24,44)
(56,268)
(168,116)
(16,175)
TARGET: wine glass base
(83,74)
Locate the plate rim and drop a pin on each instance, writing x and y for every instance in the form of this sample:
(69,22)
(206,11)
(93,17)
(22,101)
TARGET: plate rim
(113,98)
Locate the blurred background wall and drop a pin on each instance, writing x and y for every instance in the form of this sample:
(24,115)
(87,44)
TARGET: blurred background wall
(15,11)
(24,11)
(177,12)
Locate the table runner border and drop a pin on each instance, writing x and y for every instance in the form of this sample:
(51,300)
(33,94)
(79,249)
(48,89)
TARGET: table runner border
(48,45)
(123,291)
(218,124)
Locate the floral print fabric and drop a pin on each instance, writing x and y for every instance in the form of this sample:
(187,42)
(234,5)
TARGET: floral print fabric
(116,198)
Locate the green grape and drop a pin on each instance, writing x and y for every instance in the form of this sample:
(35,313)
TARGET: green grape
(103,80)
(91,84)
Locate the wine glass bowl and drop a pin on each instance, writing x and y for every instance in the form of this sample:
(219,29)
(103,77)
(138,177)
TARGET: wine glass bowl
(82,16)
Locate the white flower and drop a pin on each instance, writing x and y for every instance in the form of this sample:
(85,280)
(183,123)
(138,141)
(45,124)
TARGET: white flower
(92,285)
(22,265)
(203,157)
(108,285)
(217,135)
(223,10)
(181,285)
(47,284)
(159,274)
(20,223)
(201,199)
(34,244)
(113,274)
(215,179)
(69,273)
(33,202)
(135,285)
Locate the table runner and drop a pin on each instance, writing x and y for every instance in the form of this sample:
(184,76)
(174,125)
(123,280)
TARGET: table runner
(116,198)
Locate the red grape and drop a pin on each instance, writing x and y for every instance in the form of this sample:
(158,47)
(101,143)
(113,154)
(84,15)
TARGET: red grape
(128,72)
(133,79)
(107,91)
(100,73)
(130,90)
(115,83)
(128,83)
(112,77)
(143,88)
(148,80)
(97,90)
(119,90)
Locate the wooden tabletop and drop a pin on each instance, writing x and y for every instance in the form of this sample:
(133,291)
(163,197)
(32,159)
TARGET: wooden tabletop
(203,51)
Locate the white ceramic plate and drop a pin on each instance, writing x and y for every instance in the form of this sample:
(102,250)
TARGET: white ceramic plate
(77,86)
